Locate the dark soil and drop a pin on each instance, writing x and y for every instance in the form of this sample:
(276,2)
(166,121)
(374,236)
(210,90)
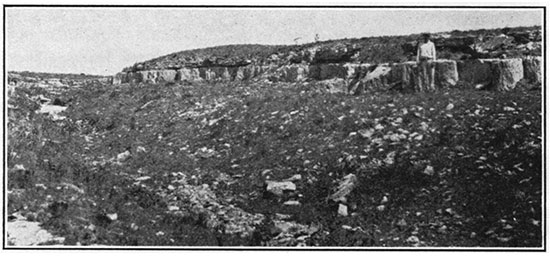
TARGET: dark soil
(455,167)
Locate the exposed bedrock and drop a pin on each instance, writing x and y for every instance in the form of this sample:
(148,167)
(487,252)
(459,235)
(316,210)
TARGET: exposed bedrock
(492,74)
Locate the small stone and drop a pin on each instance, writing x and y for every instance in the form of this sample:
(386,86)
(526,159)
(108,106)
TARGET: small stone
(342,210)
(504,239)
(291,203)
(450,107)
(143,178)
(141,149)
(160,233)
(390,158)
(294,178)
(266,172)
(413,240)
(41,186)
(381,207)
(18,167)
(442,229)
(384,200)
(121,157)
(347,184)
(280,216)
(278,188)
(173,208)
(112,216)
(347,227)
(429,170)
(402,223)
(366,133)
(473,235)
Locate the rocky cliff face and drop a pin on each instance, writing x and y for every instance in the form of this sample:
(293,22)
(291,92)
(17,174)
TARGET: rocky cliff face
(495,74)
(467,63)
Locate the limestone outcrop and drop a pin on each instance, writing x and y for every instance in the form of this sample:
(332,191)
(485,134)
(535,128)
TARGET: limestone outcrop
(494,74)
(532,69)
(358,78)
(334,70)
(446,73)
(370,78)
(224,74)
(506,73)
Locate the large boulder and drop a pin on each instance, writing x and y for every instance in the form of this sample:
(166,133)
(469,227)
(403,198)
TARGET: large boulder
(166,76)
(148,76)
(506,73)
(119,78)
(370,78)
(188,74)
(495,74)
(289,73)
(446,73)
(532,69)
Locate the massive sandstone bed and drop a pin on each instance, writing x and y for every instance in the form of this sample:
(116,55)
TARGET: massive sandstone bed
(494,74)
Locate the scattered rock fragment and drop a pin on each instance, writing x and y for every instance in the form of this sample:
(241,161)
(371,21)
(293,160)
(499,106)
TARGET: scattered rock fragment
(346,185)
(342,210)
(278,188)
(122,157)
(292,203)
(429,170)
(291,233)
(413,240)
(401,223)
(294,178)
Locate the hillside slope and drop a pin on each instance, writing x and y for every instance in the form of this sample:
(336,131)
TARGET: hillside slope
(188,164)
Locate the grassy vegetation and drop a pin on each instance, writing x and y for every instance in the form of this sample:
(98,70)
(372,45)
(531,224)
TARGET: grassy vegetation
(452,168)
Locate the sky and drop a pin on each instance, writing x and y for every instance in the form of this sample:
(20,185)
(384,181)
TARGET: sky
(105,40)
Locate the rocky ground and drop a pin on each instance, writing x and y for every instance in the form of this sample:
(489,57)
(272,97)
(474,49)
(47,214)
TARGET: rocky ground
(274,164)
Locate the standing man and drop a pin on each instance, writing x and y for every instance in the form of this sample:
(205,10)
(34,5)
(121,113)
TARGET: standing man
(425,58)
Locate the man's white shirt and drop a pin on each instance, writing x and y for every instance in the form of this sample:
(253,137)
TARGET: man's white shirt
(426,50)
